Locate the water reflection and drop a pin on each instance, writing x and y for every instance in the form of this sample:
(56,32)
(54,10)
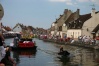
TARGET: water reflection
(23,54)
(46,56)
(85,57)
(64,59)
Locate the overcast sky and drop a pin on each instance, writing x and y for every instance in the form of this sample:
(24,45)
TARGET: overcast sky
(41,13)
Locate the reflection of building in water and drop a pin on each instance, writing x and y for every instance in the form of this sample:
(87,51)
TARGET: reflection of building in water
(84,58)
(96,56)
(27,53)
(16,56)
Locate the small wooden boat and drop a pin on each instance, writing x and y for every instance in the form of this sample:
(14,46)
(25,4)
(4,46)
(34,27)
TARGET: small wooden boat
(64,57)
(64,53)
(24,44)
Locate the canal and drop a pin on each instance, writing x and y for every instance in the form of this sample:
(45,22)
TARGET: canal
(46,55)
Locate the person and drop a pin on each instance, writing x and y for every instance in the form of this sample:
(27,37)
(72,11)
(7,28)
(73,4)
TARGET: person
(7,60)
(61,49)
(16,39)
(1,64)
(2,51)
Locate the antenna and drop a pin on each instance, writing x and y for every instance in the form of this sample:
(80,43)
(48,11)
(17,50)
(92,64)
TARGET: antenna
(93,6)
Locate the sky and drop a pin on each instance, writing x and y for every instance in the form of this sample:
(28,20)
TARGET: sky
(41,13)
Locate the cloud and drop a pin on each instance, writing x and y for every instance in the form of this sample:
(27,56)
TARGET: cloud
(57,0)
(82,0)
(68,2)
(95,1)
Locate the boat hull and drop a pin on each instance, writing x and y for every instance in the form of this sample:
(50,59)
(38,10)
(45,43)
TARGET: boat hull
(23,48)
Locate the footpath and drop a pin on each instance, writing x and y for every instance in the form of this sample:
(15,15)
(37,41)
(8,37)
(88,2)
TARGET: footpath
(75,43)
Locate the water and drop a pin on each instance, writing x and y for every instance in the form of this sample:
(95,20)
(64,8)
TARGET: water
(46,55)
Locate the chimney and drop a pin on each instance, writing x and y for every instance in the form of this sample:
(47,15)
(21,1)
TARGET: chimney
(65,11)
(93,12)
(77,12)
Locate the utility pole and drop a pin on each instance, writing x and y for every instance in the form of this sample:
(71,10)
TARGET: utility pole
(93,6)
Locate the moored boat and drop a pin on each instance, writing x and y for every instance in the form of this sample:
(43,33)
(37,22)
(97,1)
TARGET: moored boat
(23,44)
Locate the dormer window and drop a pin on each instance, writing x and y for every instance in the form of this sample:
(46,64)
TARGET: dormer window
(64,24)
(53,24)
(87,29)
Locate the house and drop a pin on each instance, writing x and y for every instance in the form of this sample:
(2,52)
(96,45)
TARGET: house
(91,26)
(60,26)
(87,24)
(76,25)
(20,28)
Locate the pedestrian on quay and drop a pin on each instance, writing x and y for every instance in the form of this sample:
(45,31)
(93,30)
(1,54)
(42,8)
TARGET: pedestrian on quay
(2,50)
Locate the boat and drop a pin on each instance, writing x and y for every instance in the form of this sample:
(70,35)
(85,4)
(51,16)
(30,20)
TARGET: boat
(64,53)
(64,56)
(23,44)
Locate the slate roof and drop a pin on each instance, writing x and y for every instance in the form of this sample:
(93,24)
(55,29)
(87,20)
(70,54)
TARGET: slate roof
(77,24)
(71,18)
(95,29)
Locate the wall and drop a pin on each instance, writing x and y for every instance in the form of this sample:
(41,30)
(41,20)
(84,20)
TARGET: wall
(90,24)
(74,32)
(17,29)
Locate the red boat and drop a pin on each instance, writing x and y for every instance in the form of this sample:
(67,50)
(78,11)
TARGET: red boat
(24,44)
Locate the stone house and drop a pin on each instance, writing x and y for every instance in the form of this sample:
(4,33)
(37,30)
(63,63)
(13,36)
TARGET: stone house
(76,25)
(91,26)
(59,27)
(87,24)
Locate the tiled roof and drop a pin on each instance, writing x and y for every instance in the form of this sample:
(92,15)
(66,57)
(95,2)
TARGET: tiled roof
(97,12)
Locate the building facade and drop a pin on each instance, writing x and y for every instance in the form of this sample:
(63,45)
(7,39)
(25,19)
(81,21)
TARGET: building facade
(91,26)
(77,25)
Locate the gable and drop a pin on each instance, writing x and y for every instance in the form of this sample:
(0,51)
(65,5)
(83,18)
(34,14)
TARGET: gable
(17,28)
